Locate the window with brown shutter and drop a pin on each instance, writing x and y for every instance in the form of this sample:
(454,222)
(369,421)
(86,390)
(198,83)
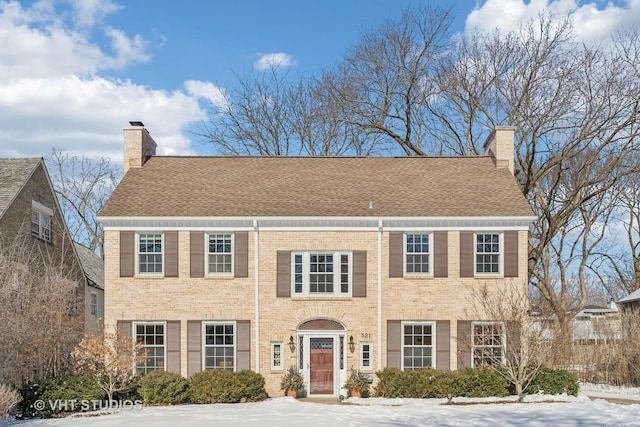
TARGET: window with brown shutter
(394,344)
(194,347)
(440,254)
(359,274)
(467,263)
(463,342)
(173,346)
(510,253)
(396,252)
(127,253)
(196,257)
(243,347)
(443,344)
(171,254)
(241,254)
(283,279)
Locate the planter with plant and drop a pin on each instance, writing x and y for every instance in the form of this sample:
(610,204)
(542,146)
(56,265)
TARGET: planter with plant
(292,382)
(357,384)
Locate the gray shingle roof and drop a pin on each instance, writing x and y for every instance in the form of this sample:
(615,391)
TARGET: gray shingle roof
(14,173)
(91,264)
(317,186)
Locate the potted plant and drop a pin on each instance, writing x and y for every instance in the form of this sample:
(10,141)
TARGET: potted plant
(357,384)
(292,382)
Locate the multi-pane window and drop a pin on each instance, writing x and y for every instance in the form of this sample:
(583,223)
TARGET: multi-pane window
(151,337)
(417,345)
(365,356)
(417,253)
(219,346)
(93,304)
(276,355)
(488,343)
(150,253)
(321,273)
(41,223)
(487,253)
(219,253)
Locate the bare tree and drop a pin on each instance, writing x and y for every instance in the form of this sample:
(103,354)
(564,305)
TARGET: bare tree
(41,309)
(111,358)
(83,185)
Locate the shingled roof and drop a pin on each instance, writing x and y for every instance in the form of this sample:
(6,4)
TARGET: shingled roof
(14,174)
(317,187)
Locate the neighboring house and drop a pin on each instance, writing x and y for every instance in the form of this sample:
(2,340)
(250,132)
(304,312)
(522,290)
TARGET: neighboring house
(596,325)
(631,301)
(93,268)
(326,264)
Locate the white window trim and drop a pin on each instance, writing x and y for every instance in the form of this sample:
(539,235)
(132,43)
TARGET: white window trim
(135,339)
(503,338)
(362,366)
(433,340)
(404,254)
(337,284)
(162,242)
(275,367)
(206,254)
(42,211)
(500,272)
(204,341)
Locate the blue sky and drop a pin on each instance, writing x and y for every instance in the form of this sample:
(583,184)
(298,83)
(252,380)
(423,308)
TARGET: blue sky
(74,72)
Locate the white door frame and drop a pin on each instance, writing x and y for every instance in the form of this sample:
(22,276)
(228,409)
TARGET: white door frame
(339,375)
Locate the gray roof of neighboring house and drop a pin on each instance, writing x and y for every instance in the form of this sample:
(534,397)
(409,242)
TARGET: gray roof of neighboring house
(633,296)
(92,265)
(317,187)
(14,174)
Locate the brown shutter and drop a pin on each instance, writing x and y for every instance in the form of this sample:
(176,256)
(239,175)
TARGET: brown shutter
(360,274)
(283,286)
(241,254)
(196,263)
(173,346)
(243,347)
(464,344)
(127,253)
(124,329)
(443,347)
(440,254)
(467,264)
(194,347)
(510,254)
(394,344)
(396,253)
(513,342)
(171,254)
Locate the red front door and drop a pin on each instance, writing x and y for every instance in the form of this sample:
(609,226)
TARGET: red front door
(321,367)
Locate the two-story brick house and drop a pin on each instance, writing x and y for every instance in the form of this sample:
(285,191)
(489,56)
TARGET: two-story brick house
(326,264)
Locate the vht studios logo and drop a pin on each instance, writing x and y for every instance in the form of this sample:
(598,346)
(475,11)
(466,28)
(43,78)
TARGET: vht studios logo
(60,405)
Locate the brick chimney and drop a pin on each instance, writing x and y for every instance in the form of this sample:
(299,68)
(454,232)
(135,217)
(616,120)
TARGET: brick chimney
(138,146)
(500,146)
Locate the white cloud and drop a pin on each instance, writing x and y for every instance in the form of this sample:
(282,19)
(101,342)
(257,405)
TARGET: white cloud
(208,91)
(53,93)
(274,60)
(591,22)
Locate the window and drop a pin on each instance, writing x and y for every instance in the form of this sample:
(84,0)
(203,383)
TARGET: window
(417,254)
(150,253)
(41,221)
(365,356)
(219,254)
(93,304)
(219,345)
(151,336)
(488,343)
(488,253)
(276,355)
(321,273)
(417,345)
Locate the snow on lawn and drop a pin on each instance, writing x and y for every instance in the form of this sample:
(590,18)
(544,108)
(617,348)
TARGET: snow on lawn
(537,410)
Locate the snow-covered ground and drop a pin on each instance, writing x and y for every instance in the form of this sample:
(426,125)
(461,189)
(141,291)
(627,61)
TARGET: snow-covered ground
(538,410)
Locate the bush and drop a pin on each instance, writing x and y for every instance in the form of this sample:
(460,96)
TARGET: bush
(553,381)
(60,394)
(163,388)
(483,382)
(431,383)
(221,386)
(9,397)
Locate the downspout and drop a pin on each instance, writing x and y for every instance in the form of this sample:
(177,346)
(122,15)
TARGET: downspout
(256,296)
(380,294)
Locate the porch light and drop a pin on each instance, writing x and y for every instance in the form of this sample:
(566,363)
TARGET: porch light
(292,344)
(352,345)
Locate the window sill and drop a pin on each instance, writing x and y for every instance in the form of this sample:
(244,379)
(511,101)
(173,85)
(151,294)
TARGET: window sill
(418,276)
(488,276)
(321,298)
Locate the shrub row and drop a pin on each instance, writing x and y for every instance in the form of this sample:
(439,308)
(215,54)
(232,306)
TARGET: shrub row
(472,382)
(65,394)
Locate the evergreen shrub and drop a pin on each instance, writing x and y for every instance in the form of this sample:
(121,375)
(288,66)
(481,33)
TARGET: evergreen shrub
(163,388)
(221,386)
(63,394)
(554,381)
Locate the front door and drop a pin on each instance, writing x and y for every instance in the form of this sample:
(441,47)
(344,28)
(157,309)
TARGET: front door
(321,373)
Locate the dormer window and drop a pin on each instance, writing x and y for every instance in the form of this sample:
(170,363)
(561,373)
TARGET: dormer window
(41,221)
